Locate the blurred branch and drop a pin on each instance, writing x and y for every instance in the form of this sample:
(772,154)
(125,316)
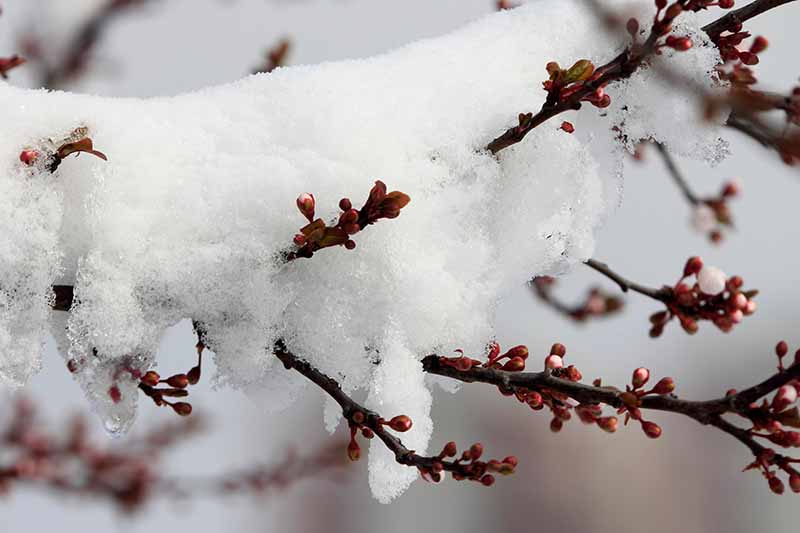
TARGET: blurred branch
(130,474)
(596,304)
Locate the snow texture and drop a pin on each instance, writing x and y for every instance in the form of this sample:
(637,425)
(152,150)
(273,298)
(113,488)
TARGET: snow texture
(189,214)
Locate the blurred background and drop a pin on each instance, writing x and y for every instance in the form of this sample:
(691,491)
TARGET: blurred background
(581,479)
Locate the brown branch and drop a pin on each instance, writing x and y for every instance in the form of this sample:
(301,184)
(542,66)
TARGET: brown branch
(705,412)
(79,50)
(619,68)
(359,416)
(677,175)
(741,15)
(625,284)
(597,302)
(130,474)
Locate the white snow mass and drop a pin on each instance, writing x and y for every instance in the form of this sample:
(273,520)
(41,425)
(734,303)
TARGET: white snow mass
(187,217)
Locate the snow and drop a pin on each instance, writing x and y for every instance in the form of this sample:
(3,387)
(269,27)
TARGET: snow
(197,199)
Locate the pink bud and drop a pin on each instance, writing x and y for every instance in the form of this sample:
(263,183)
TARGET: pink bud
(553,361)
(786,395)
(306,204)
(640,377)
(711,280)
(29,157)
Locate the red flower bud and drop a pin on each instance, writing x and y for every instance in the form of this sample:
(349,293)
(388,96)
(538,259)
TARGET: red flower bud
(179,381)
(475,451)
(400,423)
(115,394)
(567,127)
(182,408)
(151,378)
(726,4)
(632,26)
(608,423)
(640,377)
(487,480)
(759,45)
(520,351)
(514,365)
(776,485)
(781,349)
(450,449)
(664,386)
(306,204)
(345,204)
(353,450)
(794,482)
(29,157)
(534,400)
(651,429)
(693,266)
(558,349)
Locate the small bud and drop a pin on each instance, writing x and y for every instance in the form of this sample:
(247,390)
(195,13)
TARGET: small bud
(487,480)
(350,244)
(726,4)
(785,396)
(608,423)
(520,351)
(179,381)
(781,349)
(510,460)
(553,361)
(475,451)
(693,266)
(115,394)
(345,204)
(759,45)
(299,239)
(29,157)
(632,26)
(558,349)
(514,365)
(711,280)
(450,449)
(556,424)
(306,204)
(776,485)
(353,450)
(151,378)
(400,423)
(651,429)
(534,400)
(640,377)
(664,386)
(182,408)
(794,482)
(567,127)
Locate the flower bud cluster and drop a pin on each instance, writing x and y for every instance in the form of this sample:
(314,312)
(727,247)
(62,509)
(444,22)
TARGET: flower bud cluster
(317,234)
(712,297)
(710,215)
(468,466)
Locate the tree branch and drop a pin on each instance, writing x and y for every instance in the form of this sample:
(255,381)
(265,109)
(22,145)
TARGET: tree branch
(741,15)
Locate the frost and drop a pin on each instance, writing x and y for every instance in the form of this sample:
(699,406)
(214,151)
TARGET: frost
(189,215)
